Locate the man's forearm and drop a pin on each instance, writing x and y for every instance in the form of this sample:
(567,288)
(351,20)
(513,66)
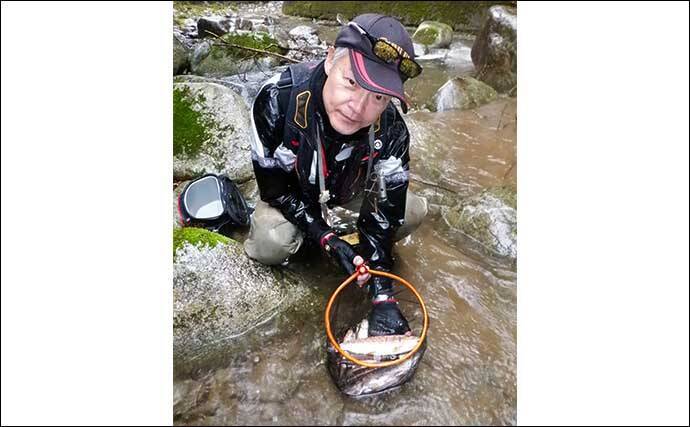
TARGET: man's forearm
(306,218)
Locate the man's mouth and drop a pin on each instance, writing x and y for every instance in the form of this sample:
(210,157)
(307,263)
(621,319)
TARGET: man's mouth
(348,119)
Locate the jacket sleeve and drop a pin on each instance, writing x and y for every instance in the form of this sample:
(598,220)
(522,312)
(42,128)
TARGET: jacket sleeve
(378,220)
(274,164)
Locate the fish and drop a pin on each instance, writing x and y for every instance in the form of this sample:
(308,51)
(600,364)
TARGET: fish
(359,381)
(385,345)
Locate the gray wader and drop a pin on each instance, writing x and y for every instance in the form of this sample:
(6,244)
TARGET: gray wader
(272,238)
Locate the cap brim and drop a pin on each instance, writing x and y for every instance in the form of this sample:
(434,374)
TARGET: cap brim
(386,82)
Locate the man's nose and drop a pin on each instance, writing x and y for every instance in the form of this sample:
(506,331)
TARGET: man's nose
(359,102)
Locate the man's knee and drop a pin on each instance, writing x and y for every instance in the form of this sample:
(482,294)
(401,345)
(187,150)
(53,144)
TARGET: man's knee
(272,238)
(416,209)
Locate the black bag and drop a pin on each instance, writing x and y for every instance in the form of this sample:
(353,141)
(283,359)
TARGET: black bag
(213,202)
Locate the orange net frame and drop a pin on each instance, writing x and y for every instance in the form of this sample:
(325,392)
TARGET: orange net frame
(367,364)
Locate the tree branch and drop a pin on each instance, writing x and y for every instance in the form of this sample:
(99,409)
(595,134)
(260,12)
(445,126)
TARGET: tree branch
(431,184)
(251,49)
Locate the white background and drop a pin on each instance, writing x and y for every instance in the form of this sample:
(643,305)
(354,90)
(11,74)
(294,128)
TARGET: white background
(86,213)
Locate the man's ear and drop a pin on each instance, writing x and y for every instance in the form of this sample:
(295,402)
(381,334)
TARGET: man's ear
(329,60)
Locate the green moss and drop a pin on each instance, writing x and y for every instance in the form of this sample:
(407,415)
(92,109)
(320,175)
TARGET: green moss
(506,194)
(196,315)
(475,225)
(476,92)
(425,36)
(196,236)
(461,15)
(256,40)
(478,227)
(190,126)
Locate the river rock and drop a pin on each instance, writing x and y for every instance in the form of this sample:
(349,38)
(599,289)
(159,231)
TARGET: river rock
(305,44)
(218,292)
(208,26)
(488,219)
(494,52)
(433,34)
(463,93)
(244,24)
(180,56)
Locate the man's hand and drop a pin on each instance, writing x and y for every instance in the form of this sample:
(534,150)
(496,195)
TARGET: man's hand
(363,271)
(386,319)
(345,256)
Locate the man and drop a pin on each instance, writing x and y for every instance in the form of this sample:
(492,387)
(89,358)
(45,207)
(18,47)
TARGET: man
(328,135)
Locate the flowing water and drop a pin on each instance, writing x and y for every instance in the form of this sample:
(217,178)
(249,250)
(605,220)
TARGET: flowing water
(276,374)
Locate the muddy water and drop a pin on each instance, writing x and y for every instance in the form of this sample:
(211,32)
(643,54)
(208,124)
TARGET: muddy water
(275,374)
(462,152)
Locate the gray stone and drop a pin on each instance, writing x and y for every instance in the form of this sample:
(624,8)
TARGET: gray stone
(208,26)
(462,93)
(261,28)
(302,31)
(201,51)
(245,24)
(420,49)
(180,57)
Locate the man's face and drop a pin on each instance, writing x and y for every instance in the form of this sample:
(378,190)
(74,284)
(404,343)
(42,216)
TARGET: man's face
(349,106)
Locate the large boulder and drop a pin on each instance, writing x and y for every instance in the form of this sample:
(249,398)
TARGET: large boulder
(218,292)
(220,58)
(210,132)
(494,52)
(488,220)
(463,93)
(433,34)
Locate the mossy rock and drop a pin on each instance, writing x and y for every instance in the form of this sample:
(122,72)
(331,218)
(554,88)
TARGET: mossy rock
(219,293)
(462,93)
(191,127)
(221,59)
(461,15)
(196,236)
(487,220)
(256,40)
(433,34)
(210,132)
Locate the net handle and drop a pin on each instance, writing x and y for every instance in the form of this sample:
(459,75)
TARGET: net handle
(359,362)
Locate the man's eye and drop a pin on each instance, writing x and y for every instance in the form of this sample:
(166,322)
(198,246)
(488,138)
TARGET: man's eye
(352,82)
(379,97)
